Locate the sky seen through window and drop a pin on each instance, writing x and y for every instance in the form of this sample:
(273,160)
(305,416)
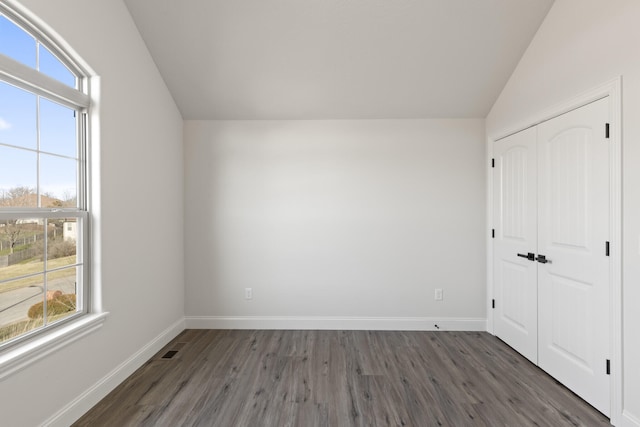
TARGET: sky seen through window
(38,137)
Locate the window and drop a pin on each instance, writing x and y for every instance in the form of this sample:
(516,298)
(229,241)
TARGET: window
(44,248)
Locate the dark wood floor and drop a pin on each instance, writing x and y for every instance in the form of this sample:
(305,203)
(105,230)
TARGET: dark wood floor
(340,378)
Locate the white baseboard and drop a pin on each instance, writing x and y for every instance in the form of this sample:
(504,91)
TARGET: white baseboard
(629,420)
(337,323)
(85,401)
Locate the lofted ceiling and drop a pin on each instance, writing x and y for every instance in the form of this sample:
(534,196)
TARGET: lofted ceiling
(336,59)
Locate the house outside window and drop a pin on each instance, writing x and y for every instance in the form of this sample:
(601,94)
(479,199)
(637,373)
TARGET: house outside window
(44,218)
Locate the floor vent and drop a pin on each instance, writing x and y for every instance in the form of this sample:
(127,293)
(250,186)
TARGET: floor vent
(169,354)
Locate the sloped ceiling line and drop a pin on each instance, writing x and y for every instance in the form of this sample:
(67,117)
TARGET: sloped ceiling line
(336,59)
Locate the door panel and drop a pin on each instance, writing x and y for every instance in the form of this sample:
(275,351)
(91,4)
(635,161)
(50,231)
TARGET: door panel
(569,154)
(514,292)
(515,315)
(573,227)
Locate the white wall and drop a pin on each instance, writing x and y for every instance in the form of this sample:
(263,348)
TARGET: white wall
(580,45)
(350,218)
(141,210)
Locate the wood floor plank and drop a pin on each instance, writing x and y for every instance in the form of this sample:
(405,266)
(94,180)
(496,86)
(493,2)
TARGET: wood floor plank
(268,378)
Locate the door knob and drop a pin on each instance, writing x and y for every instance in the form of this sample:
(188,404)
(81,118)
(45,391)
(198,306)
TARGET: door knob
(529,256)
(543,259)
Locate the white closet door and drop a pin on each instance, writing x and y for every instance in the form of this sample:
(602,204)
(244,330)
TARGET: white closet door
(515,211)
(573,228)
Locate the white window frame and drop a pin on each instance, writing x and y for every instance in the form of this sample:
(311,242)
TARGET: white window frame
(28,348)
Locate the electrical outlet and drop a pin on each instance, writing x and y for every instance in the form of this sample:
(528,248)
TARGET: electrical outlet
(438,295)
(248,293)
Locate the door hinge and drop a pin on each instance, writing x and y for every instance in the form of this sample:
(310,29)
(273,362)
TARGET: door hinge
(493,303)
(493,163)
(493,233)
(606,130)
(608,367)
(606,248)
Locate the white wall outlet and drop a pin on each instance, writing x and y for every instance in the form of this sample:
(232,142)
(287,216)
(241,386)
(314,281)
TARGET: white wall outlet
(248,293)
(438,295)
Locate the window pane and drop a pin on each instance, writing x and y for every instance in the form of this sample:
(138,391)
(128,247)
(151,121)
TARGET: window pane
(16,299)
(57,129)
(21,247)
(58,181)
(17,177)
(52,67)
(62,242)
(21,254)
(17,44)
(17,117)
(61,294)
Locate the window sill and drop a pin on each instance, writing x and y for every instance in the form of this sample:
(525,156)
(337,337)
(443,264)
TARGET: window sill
(24,355)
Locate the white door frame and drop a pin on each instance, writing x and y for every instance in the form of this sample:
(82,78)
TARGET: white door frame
(613,90)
